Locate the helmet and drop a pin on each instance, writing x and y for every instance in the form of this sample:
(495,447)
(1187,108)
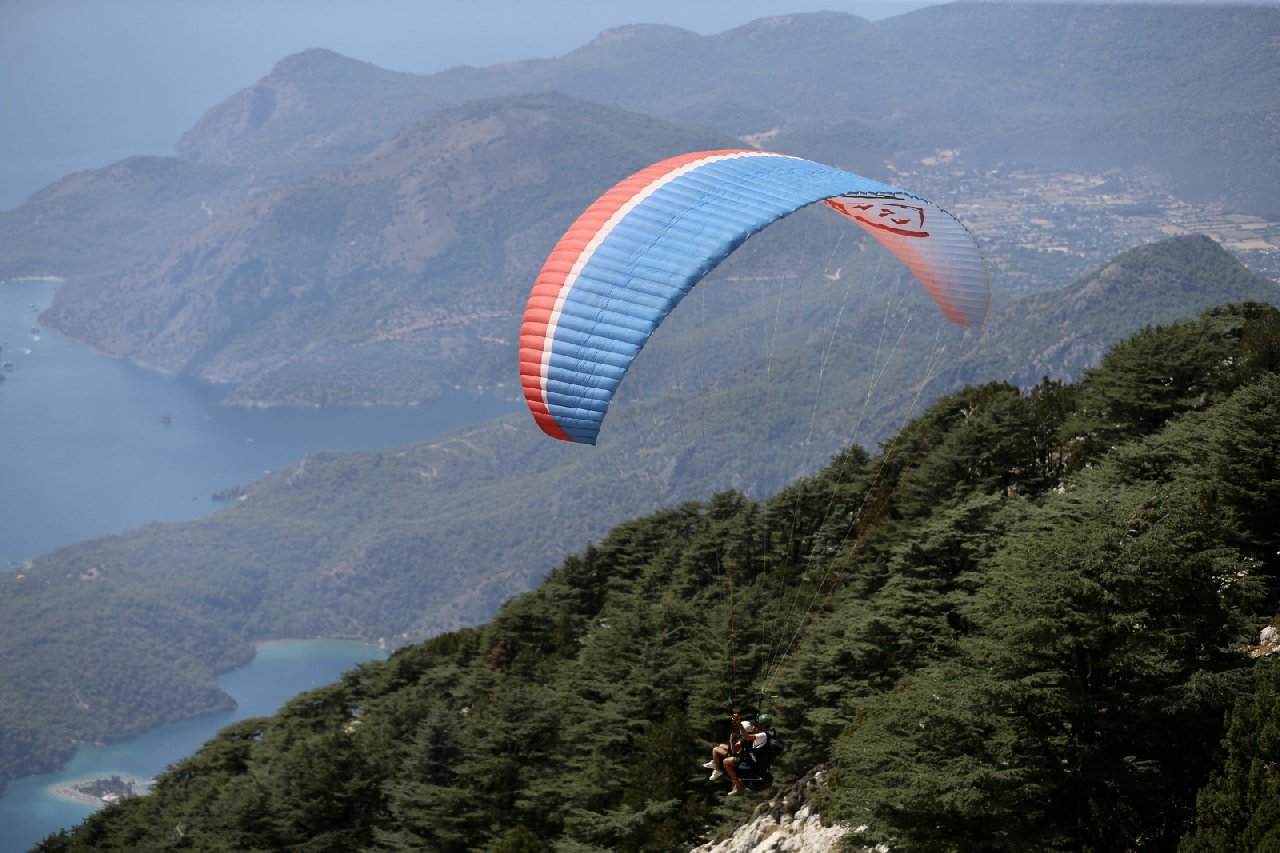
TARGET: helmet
(764,720)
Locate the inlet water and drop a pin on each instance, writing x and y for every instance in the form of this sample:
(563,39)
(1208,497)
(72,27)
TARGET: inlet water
(92,445)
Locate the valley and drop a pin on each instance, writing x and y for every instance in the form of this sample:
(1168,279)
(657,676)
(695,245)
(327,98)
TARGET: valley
(1038,225)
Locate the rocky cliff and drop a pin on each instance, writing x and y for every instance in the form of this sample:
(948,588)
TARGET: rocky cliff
(788,823)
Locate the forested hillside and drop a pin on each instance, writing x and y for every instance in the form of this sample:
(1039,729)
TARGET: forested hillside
(337,233)
(1021,624)
(401,272)
(1060,333)
(107,638)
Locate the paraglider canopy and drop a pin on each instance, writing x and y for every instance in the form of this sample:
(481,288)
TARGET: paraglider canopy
(639,248)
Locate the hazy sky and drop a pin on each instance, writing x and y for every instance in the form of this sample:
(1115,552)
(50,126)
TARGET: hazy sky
(84,83)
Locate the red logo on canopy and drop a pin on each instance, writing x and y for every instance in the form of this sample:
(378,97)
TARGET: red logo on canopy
(906,220)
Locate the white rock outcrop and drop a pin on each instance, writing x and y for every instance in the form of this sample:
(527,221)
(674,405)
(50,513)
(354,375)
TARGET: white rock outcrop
(1268,643)
(802,832)
(786,824)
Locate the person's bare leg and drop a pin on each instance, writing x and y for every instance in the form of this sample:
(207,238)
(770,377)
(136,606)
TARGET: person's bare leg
(716,764)
(730,769)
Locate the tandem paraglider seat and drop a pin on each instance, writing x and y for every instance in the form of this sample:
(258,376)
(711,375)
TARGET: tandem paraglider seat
(754,765)
(755,778)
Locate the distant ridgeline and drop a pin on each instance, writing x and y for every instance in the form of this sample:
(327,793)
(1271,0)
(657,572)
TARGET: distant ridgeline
(340,233)
(1023,624)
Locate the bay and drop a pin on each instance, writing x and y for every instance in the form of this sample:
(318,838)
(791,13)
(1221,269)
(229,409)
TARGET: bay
(92,445)
(30,810)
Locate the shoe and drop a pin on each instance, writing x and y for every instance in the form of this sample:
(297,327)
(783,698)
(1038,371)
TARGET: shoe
(715,774)
(736,791)
(710,765)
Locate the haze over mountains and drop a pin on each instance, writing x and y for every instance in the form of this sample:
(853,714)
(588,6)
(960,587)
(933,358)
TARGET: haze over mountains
(88,83)
(288,194)
(342,233)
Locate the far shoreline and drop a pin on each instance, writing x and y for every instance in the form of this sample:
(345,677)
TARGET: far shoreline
(70,790)
(65,791)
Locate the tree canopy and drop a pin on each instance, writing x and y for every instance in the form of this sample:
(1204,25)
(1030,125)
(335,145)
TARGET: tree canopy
(1021,624)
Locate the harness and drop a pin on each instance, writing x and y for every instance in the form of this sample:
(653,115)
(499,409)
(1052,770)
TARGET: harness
(762,756)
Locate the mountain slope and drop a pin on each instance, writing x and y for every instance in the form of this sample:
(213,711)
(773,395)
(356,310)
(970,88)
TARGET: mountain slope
(405,543)
(105,220)
(996,652)
(1004,79)
(409,257)
(315,112)
(1059,334)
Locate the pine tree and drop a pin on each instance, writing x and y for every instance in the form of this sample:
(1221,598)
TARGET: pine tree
(1239,810)
(1073,712)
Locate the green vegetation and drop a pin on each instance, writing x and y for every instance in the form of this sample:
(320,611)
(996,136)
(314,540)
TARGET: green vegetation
(309,246)
(1239,810)
(1019,625)
(107,638)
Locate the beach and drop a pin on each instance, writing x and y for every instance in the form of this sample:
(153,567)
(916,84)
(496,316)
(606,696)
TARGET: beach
(100,792)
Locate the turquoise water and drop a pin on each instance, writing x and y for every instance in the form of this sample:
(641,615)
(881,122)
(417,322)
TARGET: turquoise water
(92,445)
(29,810)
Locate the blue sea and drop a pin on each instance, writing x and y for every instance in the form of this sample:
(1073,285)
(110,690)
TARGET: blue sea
(92,445)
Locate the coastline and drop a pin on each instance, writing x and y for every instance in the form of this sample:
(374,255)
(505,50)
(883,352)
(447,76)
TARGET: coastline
(66,791)
(72,791)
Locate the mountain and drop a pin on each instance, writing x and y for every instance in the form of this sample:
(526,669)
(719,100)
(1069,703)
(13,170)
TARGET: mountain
(239,262)
(341,233)
(316,111)
(96,222)
(105,220)
(1072,328)
(408,259)
(998,633)
(401,544)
